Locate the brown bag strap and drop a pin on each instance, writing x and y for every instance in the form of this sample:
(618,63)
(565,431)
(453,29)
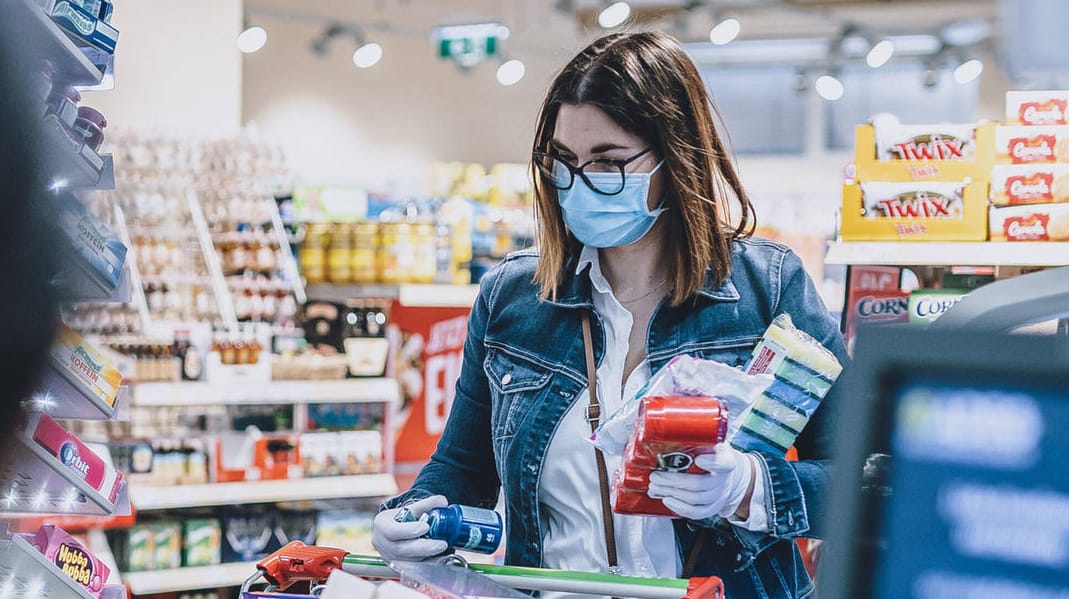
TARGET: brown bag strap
(593,414)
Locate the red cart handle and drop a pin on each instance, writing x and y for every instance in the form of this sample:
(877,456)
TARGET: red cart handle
(297,562)
(710,587)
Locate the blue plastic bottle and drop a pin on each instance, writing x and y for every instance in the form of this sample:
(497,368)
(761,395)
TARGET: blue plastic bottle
(467,528)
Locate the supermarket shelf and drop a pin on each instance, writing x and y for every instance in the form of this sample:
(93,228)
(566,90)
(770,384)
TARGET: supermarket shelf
(188,579)
(149,498)
(431,296)
(72,66)
(949,253)
(25,572)
(273,392)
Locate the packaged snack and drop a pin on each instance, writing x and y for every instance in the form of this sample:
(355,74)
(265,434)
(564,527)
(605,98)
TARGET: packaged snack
(1039,222)
(875,307)
(918,200)
(1037,107)
(804,372)
(927,305)
(1013,184)
(72,558)
(84,366)
(167,546)
(925,142)
(132,547)
(202,542)
(669,434)
(1029,145)
(74,455)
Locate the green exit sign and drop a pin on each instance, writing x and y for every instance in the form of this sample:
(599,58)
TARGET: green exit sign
(467,45)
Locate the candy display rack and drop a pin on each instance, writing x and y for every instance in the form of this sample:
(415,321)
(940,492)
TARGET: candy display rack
(45,469)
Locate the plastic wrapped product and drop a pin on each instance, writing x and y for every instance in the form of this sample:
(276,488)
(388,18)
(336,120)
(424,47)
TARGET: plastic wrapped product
(1037,107)
(920,200)
(1041,222)
(804,371)
(1014,184)
(1030,145)
(684,376)
(669,434)
(925,142)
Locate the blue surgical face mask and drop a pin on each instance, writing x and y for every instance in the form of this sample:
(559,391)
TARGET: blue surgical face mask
(606,221)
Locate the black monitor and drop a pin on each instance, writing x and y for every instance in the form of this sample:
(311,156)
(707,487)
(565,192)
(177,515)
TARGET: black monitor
(973,501)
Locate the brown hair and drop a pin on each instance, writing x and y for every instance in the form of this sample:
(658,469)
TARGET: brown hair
(646,83)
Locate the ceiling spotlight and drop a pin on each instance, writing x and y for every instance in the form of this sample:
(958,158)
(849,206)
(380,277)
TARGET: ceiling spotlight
(367,55)
(968,71)
(829,87)
(510,72)
(253,39)
(725,32)
(614,15)
(880,54)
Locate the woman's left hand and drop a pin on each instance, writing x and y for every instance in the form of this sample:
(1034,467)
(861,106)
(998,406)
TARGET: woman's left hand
(726,488)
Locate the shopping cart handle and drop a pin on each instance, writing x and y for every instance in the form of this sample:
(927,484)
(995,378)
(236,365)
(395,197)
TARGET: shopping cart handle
(297,562)
(710,587)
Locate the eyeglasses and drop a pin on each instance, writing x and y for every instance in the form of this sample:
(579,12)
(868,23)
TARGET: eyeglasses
(561,174)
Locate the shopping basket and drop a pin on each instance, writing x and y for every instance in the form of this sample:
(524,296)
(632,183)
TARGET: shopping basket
(297,563)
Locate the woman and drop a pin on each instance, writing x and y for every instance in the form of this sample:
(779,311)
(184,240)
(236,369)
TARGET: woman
(634,195)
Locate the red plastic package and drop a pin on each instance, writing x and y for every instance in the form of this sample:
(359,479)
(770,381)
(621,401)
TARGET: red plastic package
(670,432)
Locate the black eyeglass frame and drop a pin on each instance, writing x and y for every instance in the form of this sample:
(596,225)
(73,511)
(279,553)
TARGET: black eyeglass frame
(578,170)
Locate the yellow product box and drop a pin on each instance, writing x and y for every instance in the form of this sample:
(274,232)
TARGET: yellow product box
(85,366)
(1019,144)
(915,211)
(923,152)
(1014,184)
(1048,107)
(1039,222)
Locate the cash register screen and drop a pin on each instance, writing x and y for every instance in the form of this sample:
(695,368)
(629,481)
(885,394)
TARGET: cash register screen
(980,500)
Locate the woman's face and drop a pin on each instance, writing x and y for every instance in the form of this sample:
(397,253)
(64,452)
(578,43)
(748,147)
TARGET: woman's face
(584,132)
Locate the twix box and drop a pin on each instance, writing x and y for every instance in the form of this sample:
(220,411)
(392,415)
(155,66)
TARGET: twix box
(1037,107)
(919,200)
(1039,222)
(83,364)
(925,142)
(1032,145)
(1013,184)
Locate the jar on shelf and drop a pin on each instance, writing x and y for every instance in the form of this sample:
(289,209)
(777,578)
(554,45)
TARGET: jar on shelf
(313,255)
(398,255)
(366,247)
(339,256)
(424,254)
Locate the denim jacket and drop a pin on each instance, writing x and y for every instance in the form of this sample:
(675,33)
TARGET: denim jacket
(524,366)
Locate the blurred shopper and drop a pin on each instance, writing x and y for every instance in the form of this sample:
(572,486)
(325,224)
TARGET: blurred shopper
(644,227)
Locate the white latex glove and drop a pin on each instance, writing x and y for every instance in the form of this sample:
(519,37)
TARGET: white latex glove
(701,496)
(402,541)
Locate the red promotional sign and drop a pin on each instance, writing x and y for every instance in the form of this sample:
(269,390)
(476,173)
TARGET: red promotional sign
(429,344)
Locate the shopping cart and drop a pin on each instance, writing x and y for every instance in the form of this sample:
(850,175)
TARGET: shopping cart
(300,563)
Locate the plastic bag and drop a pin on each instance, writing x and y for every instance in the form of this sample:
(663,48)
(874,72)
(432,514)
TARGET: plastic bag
(804,371)
(684,376)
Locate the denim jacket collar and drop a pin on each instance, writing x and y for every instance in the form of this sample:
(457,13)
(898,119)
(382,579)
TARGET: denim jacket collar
(575,291)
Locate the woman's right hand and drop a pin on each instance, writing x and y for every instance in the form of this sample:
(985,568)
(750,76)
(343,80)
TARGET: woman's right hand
(402,540)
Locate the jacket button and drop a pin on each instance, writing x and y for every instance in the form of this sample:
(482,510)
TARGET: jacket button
(506,379)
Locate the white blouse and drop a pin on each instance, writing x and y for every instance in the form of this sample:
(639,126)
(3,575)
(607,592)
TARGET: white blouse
(573,536)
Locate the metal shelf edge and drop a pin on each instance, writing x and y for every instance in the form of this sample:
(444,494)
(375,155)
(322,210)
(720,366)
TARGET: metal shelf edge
(147,498)
(186,579)
(949,253)
(372,390)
